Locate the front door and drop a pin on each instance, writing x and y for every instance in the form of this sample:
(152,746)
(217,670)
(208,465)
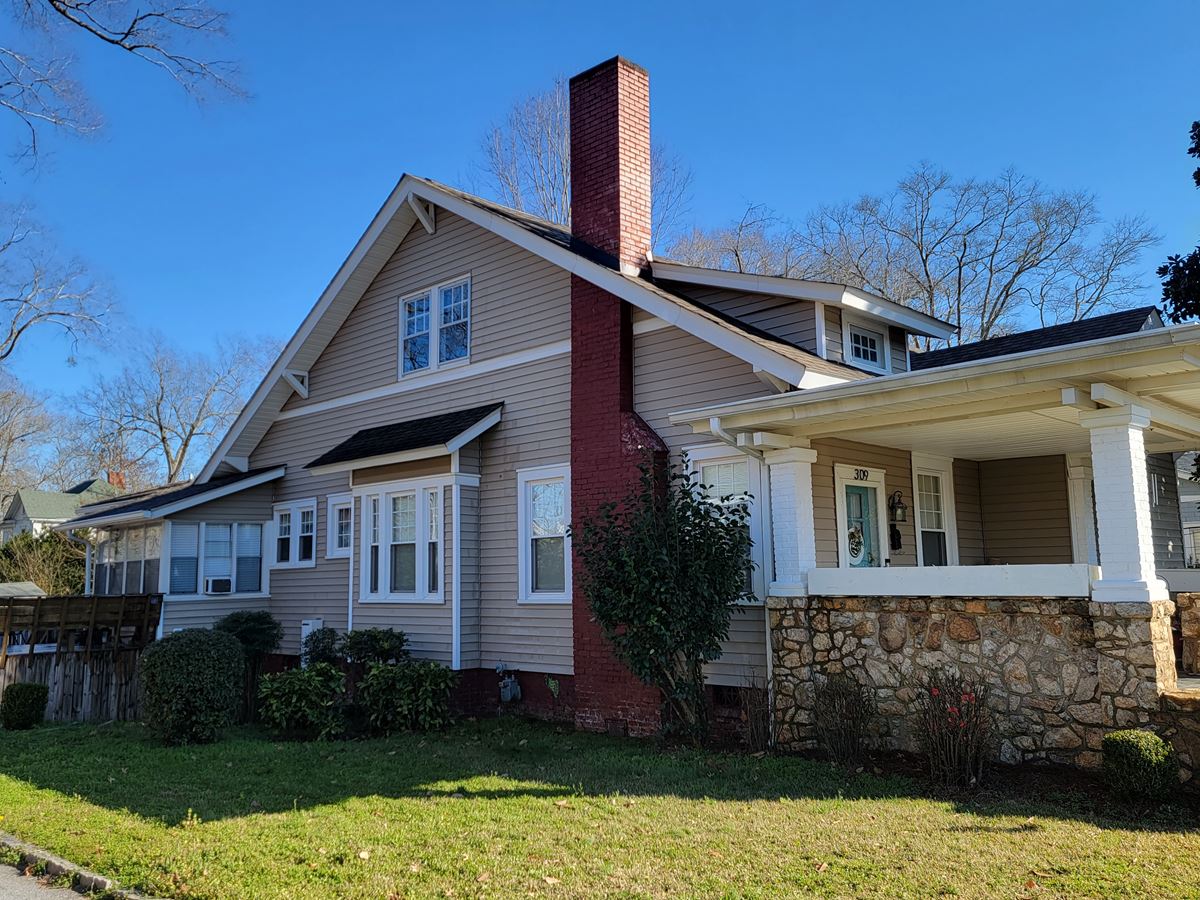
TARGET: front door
(862,526)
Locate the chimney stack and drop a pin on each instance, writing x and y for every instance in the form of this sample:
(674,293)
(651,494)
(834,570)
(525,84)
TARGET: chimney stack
(610,160)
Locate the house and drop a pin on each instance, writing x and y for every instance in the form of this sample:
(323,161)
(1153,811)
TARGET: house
(474,379)
(1189,508)
(40,511)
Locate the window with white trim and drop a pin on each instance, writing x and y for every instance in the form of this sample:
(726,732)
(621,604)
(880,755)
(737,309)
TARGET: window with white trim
(185,558)
(933,490)
(735,478)
(544,552)
(400,540)
(212,558)
(435,327)
(127,561)
(295,534)
(865,344)
(339,525)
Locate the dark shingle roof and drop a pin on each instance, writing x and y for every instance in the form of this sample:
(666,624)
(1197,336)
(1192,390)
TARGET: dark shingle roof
(414,434)
(154,498)
(1127,321)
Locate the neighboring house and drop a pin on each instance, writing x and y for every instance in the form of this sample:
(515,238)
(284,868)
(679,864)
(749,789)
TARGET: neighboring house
(475,379)
(1189,508)
(41,511)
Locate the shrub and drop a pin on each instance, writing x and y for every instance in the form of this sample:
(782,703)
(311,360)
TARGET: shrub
(257,631)
(23,706)
(414,695)
(323,645)
(192,684)
(844,709)
(955,727)
(1139,764)
(375,645)
(304,704)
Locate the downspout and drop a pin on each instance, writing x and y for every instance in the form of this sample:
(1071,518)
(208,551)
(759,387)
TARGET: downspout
(350,576)
(455,565)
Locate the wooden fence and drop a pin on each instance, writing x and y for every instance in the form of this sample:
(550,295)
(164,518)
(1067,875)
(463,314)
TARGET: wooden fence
(86,649)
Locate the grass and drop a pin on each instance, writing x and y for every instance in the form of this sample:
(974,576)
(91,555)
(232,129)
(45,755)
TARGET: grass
(501,809)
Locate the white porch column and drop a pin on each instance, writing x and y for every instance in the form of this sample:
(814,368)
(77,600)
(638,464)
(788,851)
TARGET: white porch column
(1083,519)
(793,534)
(1123,506)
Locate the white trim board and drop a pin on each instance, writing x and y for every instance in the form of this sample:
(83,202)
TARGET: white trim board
(1068,580)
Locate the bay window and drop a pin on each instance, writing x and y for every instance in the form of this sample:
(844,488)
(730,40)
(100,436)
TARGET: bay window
(339,520)
(406,522)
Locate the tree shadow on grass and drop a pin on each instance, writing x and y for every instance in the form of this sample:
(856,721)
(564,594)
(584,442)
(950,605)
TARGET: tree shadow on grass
(122,767)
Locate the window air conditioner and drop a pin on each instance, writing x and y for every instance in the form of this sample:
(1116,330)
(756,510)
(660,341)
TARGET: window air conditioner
(223,585)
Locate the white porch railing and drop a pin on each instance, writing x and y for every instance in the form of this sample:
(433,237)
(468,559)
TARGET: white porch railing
(1181,580)
(1071,580)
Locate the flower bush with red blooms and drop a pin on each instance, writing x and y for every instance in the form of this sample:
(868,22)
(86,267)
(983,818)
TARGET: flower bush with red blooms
(955,727)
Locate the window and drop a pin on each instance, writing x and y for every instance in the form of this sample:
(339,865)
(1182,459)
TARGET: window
(218,558)
(406,522)
(248,561)
(861,510)
(731,479)
(212,557)
(933,480)
(339,518)
(865,345)
(435,327)
(185,557)
(544,554)
(296,534)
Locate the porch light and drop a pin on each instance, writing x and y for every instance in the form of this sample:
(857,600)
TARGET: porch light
(896,507)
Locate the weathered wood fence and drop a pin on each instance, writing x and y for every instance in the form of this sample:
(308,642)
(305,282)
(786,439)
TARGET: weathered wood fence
(85,649)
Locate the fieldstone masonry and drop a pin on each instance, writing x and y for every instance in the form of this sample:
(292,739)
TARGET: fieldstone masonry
(1062,672)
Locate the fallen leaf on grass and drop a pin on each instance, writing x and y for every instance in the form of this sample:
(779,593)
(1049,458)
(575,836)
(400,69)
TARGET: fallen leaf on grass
(1032,885)
(482,877)
(364,854)
(550,879)
(563,803)
(821,866)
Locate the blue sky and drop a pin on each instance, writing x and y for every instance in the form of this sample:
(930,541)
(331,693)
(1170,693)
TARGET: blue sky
(231,218)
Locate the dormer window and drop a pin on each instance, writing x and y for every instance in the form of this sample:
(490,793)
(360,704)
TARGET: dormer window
(866,345)
(435,327)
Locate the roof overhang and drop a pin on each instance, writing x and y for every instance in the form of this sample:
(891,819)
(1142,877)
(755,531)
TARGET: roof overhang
(133,516)
(430,451)
(814,291)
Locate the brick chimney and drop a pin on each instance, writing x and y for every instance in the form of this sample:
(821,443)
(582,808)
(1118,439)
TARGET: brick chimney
(610,211)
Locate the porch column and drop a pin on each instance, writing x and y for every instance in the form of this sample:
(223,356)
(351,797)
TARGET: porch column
(1083,519)
(792,531)
(1123,506)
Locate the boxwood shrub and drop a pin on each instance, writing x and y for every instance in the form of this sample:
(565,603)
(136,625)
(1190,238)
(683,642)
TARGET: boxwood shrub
(1139,765)
(24,705)
(304,704)
(192,685)
(375,645)
(413,695)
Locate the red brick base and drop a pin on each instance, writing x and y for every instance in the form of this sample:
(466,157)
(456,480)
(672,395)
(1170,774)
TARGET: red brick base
(478,694)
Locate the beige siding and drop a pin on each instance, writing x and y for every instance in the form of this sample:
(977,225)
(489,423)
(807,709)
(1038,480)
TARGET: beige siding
(672,369)
(792,320)
(968,515)
(898,339)
(897,465)
(518,302)
(420,468)
(469,557)
(1166,526)
(250,505)
(1026,515)
(180,614)
(833,333)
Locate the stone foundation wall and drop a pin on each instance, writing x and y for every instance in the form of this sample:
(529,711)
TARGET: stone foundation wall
(1062,672)
(1188,608)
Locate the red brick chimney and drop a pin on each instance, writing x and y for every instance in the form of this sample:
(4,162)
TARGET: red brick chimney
(610,211)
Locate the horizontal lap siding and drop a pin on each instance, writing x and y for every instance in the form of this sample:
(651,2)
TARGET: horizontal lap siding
(673,371)
(251,505)
(968,515)
(1026,514)
(179,614)
(469,562)
(1165,523)
(899,347)
(833,333)
(792,320)
(897,465)
(519,302)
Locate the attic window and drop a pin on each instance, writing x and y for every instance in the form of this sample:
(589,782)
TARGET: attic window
(435,327)
(865,346)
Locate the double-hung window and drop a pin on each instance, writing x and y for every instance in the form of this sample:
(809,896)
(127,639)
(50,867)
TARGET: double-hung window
(544,551)
(933,488)
(339,522)
(435,327)
(727,480)
(401,538)
(127,561)
(296,534)
(865,345)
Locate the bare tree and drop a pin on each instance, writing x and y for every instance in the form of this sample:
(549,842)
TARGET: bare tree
(168,405)
(37,82)
(982,254)
(527,162)
(25,426)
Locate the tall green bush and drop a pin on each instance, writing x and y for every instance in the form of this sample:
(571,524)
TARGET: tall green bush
(663,572)
(413,696)
(323,645)
(375,645)
(259,633)
(23,705)
(192,685)
(304,704)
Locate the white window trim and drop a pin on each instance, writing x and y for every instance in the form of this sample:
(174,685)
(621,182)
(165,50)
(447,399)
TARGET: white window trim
(863,476)
(943,467)
(295,507)
(264,589)
(332,502)
(759,510)
(525,478)
(385,491)
(876,328)
(435,325)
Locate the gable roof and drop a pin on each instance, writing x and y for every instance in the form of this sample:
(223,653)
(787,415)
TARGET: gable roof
(166,499)
(1126,321)
(415,198)
(412,439)
(97,487)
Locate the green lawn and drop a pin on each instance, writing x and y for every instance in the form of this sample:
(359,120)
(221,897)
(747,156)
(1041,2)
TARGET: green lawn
(504,809)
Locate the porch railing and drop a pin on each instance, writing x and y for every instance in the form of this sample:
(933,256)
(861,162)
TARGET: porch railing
(77,624)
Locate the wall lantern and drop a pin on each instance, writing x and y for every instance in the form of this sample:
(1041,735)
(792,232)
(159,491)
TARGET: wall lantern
(897,508)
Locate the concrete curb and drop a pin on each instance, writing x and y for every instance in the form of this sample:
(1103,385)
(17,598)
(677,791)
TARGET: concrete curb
(83,880)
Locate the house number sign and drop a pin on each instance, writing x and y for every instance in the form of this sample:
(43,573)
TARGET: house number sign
(862,474)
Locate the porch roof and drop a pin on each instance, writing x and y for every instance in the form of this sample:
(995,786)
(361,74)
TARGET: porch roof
(1024,404)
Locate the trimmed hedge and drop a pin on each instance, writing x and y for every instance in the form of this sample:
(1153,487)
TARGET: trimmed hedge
(24,705)
(414,696)
(375,645)
(304,704)
(192,683)
(1139,765)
